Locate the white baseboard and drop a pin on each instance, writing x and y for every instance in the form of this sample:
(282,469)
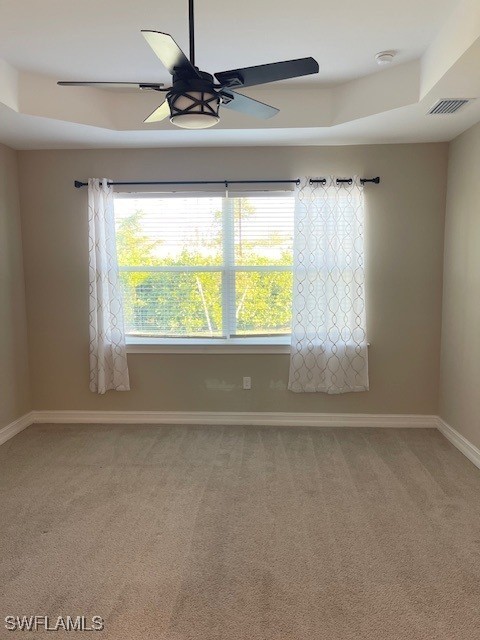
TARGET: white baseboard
(15,427)
(237,418)
(246,418)
(465,446)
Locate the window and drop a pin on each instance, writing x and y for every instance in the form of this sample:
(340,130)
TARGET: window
(206,269)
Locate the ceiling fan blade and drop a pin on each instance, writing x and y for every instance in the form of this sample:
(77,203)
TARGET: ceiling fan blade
(244,104)
(154,86)
(170,53)
(263,73)
(160,113)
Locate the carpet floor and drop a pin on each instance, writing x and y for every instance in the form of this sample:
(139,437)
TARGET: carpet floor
(241,533)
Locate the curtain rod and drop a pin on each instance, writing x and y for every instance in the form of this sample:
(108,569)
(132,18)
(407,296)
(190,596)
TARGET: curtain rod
(186,182)
(78,184)
(347,180)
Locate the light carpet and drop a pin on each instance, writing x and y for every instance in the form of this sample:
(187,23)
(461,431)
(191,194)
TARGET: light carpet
(241,533)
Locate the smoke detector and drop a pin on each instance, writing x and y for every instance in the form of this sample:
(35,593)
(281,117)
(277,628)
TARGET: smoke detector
(448,105)
(385,57)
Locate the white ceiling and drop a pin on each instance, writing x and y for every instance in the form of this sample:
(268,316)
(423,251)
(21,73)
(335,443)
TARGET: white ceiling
(71,40)
(351,100)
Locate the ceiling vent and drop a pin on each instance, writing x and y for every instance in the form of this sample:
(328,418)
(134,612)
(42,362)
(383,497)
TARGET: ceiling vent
(447,106)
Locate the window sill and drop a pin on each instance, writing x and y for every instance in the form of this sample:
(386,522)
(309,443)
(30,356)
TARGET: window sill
(206,346)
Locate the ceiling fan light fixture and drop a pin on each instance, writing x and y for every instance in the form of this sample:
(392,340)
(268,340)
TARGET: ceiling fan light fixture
(194,109)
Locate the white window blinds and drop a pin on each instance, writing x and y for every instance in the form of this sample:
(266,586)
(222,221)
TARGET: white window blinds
(206,266)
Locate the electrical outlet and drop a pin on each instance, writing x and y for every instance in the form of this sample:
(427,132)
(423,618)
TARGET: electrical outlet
(247,382)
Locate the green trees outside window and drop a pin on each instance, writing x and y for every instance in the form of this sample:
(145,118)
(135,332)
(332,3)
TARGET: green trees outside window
(205,268)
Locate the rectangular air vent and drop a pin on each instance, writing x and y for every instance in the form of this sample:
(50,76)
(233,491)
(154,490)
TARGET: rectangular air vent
(449,105)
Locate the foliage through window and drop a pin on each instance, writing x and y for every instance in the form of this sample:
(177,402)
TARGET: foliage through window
(205,266)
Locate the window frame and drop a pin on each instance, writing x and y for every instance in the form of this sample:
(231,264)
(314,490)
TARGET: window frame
(232,343)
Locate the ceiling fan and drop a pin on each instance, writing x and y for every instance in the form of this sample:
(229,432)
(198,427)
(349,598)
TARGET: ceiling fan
(194,99)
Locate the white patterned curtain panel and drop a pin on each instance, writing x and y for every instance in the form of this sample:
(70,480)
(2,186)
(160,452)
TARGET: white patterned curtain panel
(108,356)
(329,339)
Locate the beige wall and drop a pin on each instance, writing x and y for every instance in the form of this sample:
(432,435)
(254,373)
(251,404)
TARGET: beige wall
(404,280)
(14,379)
(460,362)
